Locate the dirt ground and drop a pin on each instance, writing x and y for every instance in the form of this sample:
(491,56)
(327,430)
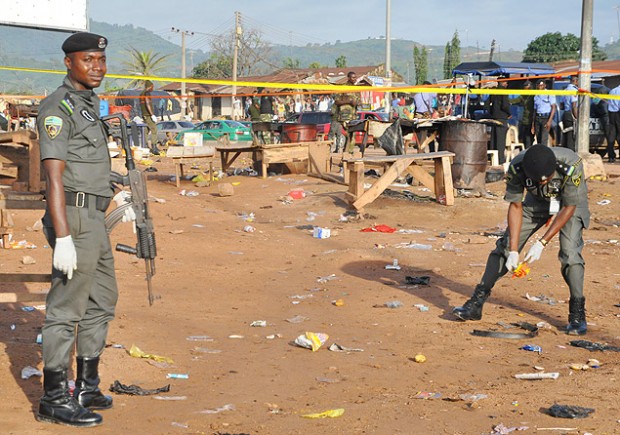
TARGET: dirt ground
(214,279)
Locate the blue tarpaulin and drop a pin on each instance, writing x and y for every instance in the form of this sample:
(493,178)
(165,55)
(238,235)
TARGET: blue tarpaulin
(499,68)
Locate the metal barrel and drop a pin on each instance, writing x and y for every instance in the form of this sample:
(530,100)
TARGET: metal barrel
(468,141)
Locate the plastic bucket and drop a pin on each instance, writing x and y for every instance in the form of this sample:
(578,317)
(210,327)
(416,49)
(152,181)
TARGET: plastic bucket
(468,141)
(298,133)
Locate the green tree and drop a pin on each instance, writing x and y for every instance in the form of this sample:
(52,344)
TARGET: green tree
(290,63)
(144,63)
(420,62)
(553,47)
(252,51)
(452,55)
(316,65)
(341,61)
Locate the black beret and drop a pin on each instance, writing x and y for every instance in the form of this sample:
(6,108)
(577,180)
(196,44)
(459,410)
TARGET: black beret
(84,41)
(539,163)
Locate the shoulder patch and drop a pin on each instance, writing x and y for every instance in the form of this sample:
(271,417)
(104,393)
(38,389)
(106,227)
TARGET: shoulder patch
(53,126)
(86,114)
(67,104)
(576,179)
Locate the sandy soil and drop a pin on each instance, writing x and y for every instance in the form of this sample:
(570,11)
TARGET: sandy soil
(215,279)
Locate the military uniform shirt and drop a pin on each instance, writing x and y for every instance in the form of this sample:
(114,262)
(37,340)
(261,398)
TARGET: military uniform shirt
(567,183)
(70,130)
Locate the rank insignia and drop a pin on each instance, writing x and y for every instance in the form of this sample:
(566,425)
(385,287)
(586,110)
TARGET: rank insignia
(577,179)
(53,126)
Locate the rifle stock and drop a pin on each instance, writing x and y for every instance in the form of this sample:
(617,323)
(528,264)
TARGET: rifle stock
(136,180)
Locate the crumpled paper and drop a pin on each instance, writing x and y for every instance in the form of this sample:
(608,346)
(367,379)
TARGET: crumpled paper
(312,340)
(137,353)
(331,413)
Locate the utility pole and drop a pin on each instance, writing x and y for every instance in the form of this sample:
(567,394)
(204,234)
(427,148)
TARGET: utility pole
(491,51)
(617,8)
(236,55)
(388,55)
(585,71)
(183,71)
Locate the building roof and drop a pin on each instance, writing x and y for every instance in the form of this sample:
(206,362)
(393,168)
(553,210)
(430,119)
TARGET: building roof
(600,68)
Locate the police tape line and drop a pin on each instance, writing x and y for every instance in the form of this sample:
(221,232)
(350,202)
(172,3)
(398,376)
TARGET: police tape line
(339,88)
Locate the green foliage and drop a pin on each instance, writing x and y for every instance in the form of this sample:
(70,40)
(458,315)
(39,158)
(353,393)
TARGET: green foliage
(420,61)
(218,66)
(290,63)
(553,47)
(452,55)
(144,63)
(316,65)
(341,61)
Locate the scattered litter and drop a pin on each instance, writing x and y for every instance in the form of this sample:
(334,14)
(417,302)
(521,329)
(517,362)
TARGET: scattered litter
(393,304)
(28,309)
(273,336)
(206,350)
(259,323)
(297,194)
(472,397)
(405,231)
(247,217)
(378,229)
(198,225)
(135,390)
(249,229)
(137,353)
(419,246)
(532,348)
(236,336)
(332,413)
(522,270)
(339,348)
(533,331)
(569,411)
(170,398)
(184,192)
(14,244)
(199,338)
(235,252)
(302,297)
(594,346)
(39,339)
(177,376)
(542,299)
(500,429)
(297,319)
(338,302)
(393,266)
(425,395)
(532,376)
(29,371)
(419,358)
(417,280)
(604,202)
(423,308)
(227,407)
(324,279)
(321,233)
(176,424)
(312,340)
(28,260)
(328,380)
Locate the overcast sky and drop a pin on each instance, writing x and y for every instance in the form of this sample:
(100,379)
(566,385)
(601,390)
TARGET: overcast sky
(513,24)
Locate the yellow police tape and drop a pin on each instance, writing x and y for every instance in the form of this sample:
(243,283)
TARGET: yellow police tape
(332,88)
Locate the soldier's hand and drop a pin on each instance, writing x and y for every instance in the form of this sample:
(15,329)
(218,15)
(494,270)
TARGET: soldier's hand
(512,262)
(65,257)
(154,118)
(535,252)
(121,198)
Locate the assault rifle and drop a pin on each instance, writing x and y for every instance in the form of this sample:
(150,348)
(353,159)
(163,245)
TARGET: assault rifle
(136,180)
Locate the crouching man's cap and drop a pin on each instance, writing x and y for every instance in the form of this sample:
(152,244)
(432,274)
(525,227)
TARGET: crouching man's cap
(84,41)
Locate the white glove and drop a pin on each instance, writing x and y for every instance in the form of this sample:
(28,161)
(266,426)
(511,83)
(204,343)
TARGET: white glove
(65,257)
(121,198)
(154,118)
(535,252)
(513,261)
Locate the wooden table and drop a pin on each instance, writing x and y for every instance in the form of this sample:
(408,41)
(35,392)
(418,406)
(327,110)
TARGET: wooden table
(188,155)
(440,183)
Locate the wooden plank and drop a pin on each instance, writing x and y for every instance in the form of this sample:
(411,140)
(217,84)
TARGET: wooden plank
(25,277)
(443,181)
(318,157)
(383,182)
(20,204)
(389,159)
(34,166)
(278,155)
(420,174)
(13,297)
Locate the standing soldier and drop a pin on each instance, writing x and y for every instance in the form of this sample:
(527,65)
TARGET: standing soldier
(344,110)
(83,294)
(146,106)
(556,190)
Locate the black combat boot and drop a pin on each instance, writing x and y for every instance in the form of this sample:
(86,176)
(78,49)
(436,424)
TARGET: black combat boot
(58,406)
(577,317)
(472,309)
(87,391)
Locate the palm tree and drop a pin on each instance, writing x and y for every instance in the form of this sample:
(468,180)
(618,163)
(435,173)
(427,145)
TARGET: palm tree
(144,63)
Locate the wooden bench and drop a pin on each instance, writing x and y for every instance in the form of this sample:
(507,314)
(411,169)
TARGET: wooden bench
(188,155)
(316,153)
(440,183)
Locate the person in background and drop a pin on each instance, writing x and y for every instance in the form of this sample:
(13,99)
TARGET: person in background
(569,115)
(424,109)
(556,197)
(82,299)
(544,110)
(527,115)
(344,110)
(499,109)
(323,104)
(613,135)
(148,115)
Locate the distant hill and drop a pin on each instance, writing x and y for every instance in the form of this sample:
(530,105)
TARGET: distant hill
(30,48)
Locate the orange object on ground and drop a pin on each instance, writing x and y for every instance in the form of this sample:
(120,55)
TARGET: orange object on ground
(522,270)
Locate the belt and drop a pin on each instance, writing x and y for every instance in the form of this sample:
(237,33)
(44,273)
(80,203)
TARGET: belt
(81,199)
(543,114)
